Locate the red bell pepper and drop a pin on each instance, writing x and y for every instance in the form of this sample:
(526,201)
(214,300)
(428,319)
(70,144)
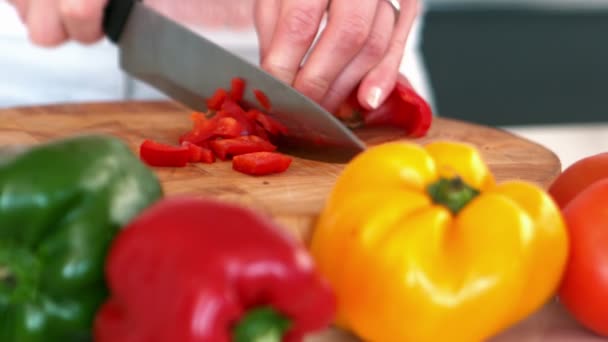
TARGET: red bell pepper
(261,163)
(403,108)
(158,154)
(224,148)
(198,270)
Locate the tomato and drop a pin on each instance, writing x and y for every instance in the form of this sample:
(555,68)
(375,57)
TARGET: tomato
(261,163)
(584,289)
(579,176)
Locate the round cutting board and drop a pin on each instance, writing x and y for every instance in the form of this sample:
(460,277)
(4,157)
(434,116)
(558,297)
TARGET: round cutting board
(293,198)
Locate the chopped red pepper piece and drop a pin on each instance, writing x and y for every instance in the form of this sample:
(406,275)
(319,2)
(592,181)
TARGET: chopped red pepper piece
(226,127)
(158,154)
(216,101)
(237,89)
(191,269)
(261,163)
(233,110)
(224,148)
(199,154)
(262,99)
(271,125)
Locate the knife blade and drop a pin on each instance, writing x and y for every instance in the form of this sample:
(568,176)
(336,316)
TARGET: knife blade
(189,68)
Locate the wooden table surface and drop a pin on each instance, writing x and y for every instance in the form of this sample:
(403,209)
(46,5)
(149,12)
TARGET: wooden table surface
(295,197)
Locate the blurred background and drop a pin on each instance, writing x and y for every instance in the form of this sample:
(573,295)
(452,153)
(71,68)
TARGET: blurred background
(537,68)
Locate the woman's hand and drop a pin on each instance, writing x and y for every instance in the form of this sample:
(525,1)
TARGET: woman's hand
(362,43)
(53,22)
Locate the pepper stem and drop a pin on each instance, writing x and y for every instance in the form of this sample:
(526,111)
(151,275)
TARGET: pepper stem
(263,324)
(452,193)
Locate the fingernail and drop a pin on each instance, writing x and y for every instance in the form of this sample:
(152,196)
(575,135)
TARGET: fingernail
(373,97)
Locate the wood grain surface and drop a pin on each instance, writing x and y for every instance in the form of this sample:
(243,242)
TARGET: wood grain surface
(293,198)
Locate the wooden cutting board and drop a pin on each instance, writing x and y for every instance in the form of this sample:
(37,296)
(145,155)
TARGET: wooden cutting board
(293,198)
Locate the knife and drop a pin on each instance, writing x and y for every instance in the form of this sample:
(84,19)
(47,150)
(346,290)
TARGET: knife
(189,69)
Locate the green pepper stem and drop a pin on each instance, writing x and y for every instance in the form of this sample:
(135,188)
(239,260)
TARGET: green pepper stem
(262,324)
(452,193)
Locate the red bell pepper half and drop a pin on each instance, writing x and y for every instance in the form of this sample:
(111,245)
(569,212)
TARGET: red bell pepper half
(158,154)
(403,108)
(261,163)
(200,270)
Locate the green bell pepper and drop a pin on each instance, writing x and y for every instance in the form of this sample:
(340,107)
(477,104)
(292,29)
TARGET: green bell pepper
(61,204)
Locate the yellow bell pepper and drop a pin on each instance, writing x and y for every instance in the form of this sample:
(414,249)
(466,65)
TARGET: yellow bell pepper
(420,244)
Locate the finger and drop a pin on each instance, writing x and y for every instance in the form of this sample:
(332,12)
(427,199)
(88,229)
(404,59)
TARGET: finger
(380,81)
(82,19)
(21,8)
(295,31)
(348,27)
(266,15)
(372,52)
(44,23)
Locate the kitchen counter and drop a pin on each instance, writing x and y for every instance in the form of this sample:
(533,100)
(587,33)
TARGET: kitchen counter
(570,142)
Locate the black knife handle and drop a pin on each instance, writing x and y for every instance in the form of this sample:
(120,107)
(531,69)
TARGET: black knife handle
(115,17)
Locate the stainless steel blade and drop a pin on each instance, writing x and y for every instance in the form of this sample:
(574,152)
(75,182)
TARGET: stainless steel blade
(189,68)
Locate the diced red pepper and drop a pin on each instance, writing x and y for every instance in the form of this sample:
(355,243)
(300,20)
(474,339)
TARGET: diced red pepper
(233,110)
(237,89)
(262,99)
(226,127)
(158,154)
(224,148)
(271,125)
(261,132)
(198,118)
(261,163)
(216,101)
(199,154)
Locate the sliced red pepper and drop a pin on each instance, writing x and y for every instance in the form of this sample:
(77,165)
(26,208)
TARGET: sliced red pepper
(199,154)
(262,99)
(261,132)
(261,163)
(158,154)
(237,89)
(226,127)
(216,101)
(233,110)
(271,125)
(224,148)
